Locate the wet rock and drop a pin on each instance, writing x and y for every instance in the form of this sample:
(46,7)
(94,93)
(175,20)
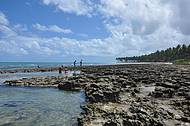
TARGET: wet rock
(111,123)
(69,86)
(187,97)
(166,85)
(163,92)
(137,90)
(102,93)
(130,122)
(133,94)
(185,119)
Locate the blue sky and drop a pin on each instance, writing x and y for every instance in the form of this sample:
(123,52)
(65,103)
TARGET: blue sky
(93,30)
(27,12)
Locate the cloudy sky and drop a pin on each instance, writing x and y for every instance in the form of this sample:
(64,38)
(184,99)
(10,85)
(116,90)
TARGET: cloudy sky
(94,30)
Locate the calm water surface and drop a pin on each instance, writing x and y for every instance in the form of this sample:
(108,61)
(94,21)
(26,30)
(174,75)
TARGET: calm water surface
(13,76)
(38,106)
(19,65)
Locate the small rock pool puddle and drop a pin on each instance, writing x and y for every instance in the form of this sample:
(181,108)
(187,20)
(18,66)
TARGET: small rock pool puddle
(147,89)
(23,106)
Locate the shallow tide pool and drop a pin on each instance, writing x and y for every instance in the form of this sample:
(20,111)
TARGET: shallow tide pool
(38,106)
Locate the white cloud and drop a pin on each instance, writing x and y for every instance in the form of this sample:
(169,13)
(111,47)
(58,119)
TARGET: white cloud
(20,27)
(139,17)
(78,7)
(143,26)
(136,27)
(51,28)
(16,44)
(6,31)
(181,15)
(83,35)
(3,19)
(4,28)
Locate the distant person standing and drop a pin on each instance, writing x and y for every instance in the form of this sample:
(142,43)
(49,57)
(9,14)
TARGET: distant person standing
(75,63)
(60,70)
(66,70)
(81,62)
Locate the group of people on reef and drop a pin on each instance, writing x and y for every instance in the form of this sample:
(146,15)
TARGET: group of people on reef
(75,62)
(63,68)
(66,69)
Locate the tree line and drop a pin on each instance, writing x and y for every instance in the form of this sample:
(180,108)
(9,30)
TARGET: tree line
(168,55)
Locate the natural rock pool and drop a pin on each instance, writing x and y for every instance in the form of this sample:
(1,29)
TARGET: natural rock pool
(33,106)
(21,106)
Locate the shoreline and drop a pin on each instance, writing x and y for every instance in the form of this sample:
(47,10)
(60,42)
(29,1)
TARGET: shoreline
(51,69)
(127,94)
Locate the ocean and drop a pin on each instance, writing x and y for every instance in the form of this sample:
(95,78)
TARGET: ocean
(19,65)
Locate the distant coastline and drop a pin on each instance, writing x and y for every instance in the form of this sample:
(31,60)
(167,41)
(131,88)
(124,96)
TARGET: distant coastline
(179,55)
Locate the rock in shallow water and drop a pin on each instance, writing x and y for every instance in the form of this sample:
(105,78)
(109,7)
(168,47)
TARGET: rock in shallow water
(69,86)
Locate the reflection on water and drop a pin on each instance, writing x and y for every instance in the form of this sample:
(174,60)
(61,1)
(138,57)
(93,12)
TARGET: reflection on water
(40,107)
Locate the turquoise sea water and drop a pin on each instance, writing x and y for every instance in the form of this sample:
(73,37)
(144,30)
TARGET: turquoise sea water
(16,65)
(21,106)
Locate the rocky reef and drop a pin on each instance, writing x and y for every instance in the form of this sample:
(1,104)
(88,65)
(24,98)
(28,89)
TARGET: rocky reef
(127,95)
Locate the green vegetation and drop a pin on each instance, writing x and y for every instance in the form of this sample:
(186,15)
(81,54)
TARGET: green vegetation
(177,55)
(182,62)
